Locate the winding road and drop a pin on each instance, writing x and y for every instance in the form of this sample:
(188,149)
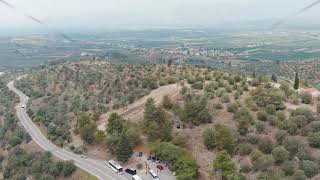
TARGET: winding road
(97,168)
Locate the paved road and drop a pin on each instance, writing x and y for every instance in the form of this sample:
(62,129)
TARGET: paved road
(94,167)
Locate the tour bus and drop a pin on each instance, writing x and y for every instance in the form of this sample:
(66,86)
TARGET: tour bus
(136,177)
(154,174)
(115,167)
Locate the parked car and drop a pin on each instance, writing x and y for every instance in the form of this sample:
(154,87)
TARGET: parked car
(83,156)
(157,160)
(131,171)
(160,167)
(153,159)
(178,126)
(149,158)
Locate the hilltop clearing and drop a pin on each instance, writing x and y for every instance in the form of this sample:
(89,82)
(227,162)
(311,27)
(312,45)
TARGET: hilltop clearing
(134,111)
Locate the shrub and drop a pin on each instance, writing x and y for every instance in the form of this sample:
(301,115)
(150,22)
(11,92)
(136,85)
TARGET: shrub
(294,99)
(260,161)
(244,149)
(306,98)
(139,166)
(272,119)
(68,168)
(255,82)
(243,127)
(280,154)
(288,167)
(223,164)
(280,136)
(265,145)
(180,140)
(244,114)
(303,153)
(209,139)
(299,175)
(294,146)
(232,107)
(167,102)
(305,112)
(281,116)
(271,174)
(310,168)
(300,120)
(237,95)
(314,139)
(220,92)
(198,85)
(245,167)
(291,127)
(196,112)
(252,138)
(270,109)
(221,138)
(225,98)
(260,127)
(312,127)
(262,115)
(218,106)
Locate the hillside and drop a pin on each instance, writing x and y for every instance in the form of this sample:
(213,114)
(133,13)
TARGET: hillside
(231,126)
(20,157)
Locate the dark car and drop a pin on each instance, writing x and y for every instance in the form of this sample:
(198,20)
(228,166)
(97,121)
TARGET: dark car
(131,171)
(160,167)
(153,159)
(178,126)
(149,158)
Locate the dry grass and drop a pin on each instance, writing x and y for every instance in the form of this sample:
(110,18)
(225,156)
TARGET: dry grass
(79,174)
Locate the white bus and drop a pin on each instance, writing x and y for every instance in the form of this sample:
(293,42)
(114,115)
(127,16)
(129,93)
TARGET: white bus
(136,177)
(154,174)
(115,167)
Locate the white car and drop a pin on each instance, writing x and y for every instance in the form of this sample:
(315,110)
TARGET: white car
(22,106)
(83,156)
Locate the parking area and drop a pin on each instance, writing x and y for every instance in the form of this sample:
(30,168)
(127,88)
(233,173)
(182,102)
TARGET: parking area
(164,174)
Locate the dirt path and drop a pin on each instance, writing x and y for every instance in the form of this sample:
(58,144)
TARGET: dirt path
(134,111)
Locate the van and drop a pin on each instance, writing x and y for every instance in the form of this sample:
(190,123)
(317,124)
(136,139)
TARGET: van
(115,167)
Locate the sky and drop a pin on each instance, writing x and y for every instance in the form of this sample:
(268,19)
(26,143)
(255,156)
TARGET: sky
(104,14)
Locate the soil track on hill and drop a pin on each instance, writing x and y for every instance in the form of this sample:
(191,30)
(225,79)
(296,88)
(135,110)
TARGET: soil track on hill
(134,111)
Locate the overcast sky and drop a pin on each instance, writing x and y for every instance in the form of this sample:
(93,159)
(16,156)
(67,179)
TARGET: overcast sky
(110,13)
